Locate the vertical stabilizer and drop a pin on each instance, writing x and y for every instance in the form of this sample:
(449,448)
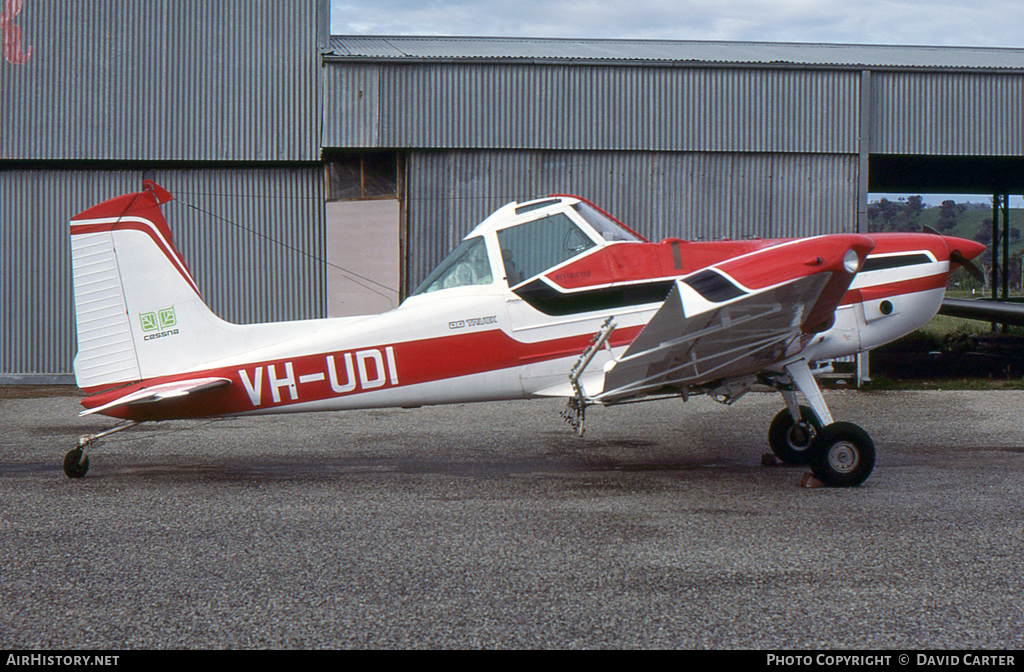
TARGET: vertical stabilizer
(132,290)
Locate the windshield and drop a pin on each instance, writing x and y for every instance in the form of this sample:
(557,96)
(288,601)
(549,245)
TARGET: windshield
(609,229)
(466,265)
(533,247)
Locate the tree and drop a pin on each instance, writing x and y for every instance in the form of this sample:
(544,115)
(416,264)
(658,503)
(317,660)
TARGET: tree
(949,211)
(984,234)
(887,211)
(915,206)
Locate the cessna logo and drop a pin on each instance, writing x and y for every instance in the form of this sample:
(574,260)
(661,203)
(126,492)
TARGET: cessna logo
(159,322)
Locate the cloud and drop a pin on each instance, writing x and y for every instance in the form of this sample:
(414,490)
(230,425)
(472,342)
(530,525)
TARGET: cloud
(932,22)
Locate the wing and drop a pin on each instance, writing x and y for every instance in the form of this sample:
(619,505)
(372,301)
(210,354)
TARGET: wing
(713,328)
(156,393)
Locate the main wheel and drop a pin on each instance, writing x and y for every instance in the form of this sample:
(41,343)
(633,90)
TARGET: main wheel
(842,455)
(76,464)
(790,441)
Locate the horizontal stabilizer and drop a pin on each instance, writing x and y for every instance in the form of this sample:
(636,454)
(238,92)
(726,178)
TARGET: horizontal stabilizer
(156,393)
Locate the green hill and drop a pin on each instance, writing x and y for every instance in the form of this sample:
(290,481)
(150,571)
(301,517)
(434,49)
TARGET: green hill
(965,220)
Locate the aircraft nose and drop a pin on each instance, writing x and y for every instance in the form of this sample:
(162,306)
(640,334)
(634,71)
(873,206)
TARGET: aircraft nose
(962,251)
(961,247)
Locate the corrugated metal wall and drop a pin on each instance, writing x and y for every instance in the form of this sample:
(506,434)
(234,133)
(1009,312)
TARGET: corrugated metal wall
(693,195)
(253,239)
(105,88)
(37,332)
(503,106)
(351,106)
(232,80)
(959,114)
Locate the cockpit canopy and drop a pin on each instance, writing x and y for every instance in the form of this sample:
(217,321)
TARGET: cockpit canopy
(531,248)
(466,265)
(522,241)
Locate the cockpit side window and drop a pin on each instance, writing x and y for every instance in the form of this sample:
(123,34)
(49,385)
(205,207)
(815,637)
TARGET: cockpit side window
(533,247)
(466,265)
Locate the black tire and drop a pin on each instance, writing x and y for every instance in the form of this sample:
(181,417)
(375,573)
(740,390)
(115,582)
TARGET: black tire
(791,441)
(842,455)
(76,464)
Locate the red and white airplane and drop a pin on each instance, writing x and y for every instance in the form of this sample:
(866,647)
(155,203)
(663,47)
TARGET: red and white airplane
(546,298)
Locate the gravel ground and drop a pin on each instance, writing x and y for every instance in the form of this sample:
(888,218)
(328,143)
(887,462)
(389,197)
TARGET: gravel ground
(493,526)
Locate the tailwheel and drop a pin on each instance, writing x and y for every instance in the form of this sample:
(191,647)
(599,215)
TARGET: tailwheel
(790,440)
(842,455)
(76,463)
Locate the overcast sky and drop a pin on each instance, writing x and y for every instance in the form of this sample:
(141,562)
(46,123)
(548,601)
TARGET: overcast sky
(991,23)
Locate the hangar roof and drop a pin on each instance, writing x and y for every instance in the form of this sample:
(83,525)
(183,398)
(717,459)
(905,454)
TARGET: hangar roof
(671,52)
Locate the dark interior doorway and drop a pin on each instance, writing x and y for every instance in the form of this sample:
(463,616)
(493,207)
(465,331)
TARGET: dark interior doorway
(997,176)
(946,174)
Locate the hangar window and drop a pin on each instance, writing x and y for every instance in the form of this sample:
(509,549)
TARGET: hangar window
(362,175)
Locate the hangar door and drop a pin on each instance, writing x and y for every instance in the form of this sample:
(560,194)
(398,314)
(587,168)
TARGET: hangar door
(363,216)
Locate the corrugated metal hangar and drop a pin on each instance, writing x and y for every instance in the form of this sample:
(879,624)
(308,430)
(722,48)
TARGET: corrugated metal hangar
(319,175)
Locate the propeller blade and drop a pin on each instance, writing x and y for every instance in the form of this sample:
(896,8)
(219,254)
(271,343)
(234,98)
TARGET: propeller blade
(969,265)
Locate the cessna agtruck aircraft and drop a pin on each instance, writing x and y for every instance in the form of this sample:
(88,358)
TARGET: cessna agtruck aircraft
(544,298)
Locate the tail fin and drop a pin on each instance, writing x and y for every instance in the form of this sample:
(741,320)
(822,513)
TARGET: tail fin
(139,313)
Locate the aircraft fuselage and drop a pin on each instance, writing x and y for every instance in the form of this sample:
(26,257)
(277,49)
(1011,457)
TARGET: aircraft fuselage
(503,336)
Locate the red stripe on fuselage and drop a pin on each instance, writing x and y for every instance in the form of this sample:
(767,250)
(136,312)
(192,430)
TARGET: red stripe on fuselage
(884,291)
(354,371)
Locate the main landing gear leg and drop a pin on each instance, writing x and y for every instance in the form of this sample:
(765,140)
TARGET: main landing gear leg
(840,454)
(76,463)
